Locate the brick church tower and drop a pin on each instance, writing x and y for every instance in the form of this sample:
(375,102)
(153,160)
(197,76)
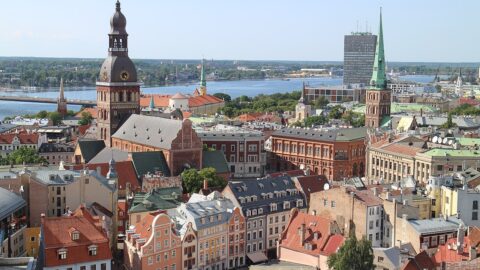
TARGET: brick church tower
(378,97)
(118,89)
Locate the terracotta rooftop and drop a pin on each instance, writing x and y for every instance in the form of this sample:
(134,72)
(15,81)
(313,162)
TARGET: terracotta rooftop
(24,138)
(162,101)
(420,262)
(125,171)
(92,111)
(57,235)
(446,254)
(324,244)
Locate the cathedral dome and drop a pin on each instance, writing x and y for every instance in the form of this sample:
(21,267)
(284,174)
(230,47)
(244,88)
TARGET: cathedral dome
(118,69)
(118,22)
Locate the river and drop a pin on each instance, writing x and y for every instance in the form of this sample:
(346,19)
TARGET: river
(233,88)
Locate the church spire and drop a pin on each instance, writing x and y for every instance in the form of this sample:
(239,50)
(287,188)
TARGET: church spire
(152,103)
(379,78)
(203,81)
(62,102)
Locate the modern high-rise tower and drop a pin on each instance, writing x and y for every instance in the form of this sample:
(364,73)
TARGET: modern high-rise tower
(118,89)
(378,97)
(358,56)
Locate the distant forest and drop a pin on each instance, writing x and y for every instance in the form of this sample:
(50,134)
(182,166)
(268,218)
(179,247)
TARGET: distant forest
(18,72)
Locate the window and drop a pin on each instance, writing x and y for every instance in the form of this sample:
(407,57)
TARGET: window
(150,260)
(370,237)
(474,215)
(62,254)
(173,253)
(333,204)
(475,205)
(232,148)
(93,267)
(92,250)
(380,259)
(439,167)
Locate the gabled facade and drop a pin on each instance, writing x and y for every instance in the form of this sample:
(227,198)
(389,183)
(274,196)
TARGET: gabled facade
(153,243)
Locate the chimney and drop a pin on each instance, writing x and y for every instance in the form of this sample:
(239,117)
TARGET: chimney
(302,234)
(205,184)
(99,170)
(405,202)
(472,254)
(460,238)
(375,192)
(388,195)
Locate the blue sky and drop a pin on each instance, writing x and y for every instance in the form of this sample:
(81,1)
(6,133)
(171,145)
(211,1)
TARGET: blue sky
(426,30)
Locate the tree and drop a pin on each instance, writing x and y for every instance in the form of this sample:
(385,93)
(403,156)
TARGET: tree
(86,118)
(336,112)
(193,179)
(353,254)
(315,120)
(225,97)
(55,118)
(23,155)
(42,114)
(320,102)
(449,123)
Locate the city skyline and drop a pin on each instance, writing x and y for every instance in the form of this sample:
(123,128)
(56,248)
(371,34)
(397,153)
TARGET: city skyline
(306,31)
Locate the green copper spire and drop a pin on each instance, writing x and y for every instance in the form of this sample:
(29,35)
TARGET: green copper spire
(203,82)
(379,78)
(152,103)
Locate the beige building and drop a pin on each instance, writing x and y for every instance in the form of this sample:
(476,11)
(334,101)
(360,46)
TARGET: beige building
(358,210)
(389,160)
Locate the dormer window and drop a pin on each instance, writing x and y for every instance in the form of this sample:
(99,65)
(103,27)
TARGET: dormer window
(62,254)
(248,213)
(260,211)
(286,205)
(299,203)
(92,250)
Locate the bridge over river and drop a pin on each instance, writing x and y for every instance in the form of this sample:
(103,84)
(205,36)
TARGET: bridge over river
(86,103)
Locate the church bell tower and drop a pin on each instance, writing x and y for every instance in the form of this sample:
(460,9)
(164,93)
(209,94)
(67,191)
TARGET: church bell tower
(118,89)
(378,97)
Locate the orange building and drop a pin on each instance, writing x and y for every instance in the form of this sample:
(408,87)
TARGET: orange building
(236,239)
(334,153)
(153,243)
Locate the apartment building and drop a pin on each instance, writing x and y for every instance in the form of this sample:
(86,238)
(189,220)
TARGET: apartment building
(266,205)
(243,148)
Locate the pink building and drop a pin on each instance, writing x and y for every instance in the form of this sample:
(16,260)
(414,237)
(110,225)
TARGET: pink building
(153,243)
(309,240)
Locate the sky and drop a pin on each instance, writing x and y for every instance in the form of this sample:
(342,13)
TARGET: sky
(414,31)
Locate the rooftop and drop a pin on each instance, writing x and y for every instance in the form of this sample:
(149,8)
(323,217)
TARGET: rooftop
(445,152)
(435,225)
(9,203)
(350,134)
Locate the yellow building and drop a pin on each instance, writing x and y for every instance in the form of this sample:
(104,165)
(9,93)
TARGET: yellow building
(424,205)
(32,241)
(449,201)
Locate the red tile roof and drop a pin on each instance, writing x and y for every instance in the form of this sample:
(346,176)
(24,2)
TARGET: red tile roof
(92,111)
(402,149)
(421,262)
(125,171)
(83,129)
(311,184)
(248,117)
(366,196)
(24,138)
(162,101)
(325,244)
(56,233)
(444,254)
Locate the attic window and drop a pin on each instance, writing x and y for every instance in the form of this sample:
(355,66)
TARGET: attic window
(62,254)
(75,235)
(92,250)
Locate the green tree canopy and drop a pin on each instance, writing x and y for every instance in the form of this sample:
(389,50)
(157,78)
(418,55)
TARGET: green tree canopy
(336,112)
(315,120)
(225,97)
(353,254)
(55,118)
(449,123)
(193,179)
(86,119)
(23,155)
(320,103)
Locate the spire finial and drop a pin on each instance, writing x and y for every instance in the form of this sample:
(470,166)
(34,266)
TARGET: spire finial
(117,5)
(203,81)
